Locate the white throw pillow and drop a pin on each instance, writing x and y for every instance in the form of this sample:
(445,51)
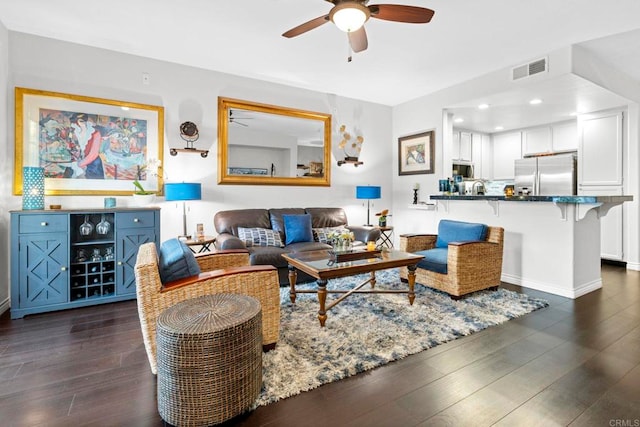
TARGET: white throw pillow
(259,237)
(322,234)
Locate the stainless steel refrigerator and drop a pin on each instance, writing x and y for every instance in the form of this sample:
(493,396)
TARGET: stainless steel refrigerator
(547,175)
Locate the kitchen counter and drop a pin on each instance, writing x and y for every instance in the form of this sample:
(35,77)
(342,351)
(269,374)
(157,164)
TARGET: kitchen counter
(551,243)
(553,199)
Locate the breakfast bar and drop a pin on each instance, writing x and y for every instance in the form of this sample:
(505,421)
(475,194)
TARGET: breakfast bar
(551,243)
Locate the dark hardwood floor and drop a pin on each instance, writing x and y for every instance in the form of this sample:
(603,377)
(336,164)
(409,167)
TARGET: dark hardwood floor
(576,362)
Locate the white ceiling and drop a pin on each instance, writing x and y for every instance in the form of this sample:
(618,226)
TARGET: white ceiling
(562,98)
(465,39)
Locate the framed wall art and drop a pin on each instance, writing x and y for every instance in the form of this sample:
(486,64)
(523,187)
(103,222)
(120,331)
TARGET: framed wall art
(87,146)
(248,171)
(416,153)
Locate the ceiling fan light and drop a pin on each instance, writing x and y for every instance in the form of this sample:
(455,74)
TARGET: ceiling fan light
(349,16)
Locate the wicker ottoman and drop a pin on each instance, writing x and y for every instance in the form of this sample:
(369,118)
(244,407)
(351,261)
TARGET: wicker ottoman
(209,359)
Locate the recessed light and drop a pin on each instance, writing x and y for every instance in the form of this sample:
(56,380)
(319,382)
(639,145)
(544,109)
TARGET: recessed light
(499,128)
(458,120)
(483,106)
(535,101)
(125,108)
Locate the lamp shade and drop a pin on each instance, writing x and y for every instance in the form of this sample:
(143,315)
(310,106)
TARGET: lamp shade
(349,16)
(182,191)
(367,192)
(32,188)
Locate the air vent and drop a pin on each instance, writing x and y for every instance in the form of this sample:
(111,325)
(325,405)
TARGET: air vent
(526,70)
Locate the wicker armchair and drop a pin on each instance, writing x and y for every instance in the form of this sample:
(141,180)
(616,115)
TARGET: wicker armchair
(223,272)
(471,266)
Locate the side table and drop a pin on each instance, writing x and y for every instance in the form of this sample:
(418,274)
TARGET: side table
(386,237)
(204,243)
(209,359)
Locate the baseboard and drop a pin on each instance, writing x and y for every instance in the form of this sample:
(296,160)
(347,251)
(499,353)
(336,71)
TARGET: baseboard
(586,288)
(514,280)
(551,289)
(4,305)
(633,266)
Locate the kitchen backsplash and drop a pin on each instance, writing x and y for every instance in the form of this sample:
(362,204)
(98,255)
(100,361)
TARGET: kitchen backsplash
(496,188)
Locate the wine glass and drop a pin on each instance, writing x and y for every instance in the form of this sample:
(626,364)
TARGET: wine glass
(86,228)
(103,226)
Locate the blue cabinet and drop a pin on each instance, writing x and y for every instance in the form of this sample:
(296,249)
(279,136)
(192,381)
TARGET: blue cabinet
(134,229)
(43,269)
(67,259)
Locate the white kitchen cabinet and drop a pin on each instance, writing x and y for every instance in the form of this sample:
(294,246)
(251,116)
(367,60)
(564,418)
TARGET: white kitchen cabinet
(507,147)
(465,146)
(455,145)
(564,136)
(600,149)
(481,156)
(461,146)
(611,225)
(536,141)
(556,138)
(476,154)
(487,157)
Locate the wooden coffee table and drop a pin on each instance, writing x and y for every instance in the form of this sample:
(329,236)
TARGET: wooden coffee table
(320,264)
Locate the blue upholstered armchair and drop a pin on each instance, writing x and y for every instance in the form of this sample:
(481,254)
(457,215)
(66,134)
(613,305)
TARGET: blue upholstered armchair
(462,258)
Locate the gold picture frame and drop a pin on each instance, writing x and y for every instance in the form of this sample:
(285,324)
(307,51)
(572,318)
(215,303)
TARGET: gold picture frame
(88,145)
(265,129)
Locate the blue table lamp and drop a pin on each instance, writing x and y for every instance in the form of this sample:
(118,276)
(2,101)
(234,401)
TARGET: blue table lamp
(367,192)
(181,192)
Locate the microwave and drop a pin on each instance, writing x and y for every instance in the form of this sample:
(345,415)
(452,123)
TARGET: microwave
(464,169)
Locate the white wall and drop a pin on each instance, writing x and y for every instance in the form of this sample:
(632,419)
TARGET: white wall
(427,113)
(260,149)
(6,169)
(307,154)
(632,186)
(191,94)
(604,75)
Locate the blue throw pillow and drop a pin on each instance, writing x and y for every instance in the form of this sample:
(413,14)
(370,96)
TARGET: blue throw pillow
(176,261)
(458,231)
(297,228)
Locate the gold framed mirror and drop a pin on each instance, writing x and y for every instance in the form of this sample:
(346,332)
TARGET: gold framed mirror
(261,144)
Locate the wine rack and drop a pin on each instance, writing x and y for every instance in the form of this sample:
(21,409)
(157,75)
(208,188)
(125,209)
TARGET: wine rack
(64,259)
(92,256)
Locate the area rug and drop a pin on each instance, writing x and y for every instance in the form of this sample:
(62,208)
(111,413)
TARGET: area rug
(367,331)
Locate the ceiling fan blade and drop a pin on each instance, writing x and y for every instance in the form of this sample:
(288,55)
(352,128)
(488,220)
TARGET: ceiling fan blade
(232,116)
(358,40)
(310,25)
(238,123)
(401,13)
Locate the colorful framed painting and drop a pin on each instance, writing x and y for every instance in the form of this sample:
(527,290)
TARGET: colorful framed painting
(247,171)
(88,146)
(416,153)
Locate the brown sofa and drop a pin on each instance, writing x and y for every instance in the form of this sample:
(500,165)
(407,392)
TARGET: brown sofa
(227,223)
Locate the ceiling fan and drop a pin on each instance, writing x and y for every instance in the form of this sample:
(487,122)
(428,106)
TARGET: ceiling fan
(238,120)
(350,16)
